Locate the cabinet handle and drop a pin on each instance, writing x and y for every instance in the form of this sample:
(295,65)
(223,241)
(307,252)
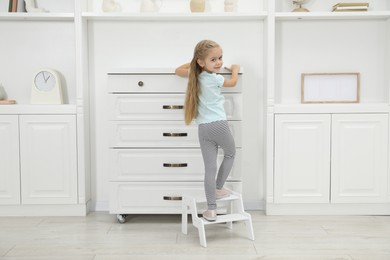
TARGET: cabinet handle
(172,198)
(175,134)
(140,83)
(175,165)
(173,107)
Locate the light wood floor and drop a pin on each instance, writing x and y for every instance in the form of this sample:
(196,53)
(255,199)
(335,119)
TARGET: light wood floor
(99,236)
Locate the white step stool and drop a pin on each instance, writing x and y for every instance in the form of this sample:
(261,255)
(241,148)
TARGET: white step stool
(235,213)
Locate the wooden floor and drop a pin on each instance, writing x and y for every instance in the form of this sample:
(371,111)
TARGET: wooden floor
(99,236)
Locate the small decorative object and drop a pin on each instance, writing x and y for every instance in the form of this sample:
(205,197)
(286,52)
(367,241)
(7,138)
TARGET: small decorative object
(3,94)
(31,7)
(300,3)
(3,97)
(46,87)
(111,6)
(330,87)
(150,6)
(197,6)
(230,5)
(350,7)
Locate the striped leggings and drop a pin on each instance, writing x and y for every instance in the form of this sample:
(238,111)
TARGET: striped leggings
(211,136)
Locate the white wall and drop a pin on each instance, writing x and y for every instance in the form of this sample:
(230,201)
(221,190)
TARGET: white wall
(122,44)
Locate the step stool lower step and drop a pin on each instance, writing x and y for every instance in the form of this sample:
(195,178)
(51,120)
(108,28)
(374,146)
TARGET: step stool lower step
(225,218)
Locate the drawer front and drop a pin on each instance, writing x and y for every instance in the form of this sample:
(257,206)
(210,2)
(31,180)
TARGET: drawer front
(162,107)
(152,83)
(163,165)
(156,197)
(160,134)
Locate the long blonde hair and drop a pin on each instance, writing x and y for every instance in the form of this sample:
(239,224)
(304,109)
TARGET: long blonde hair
(193,88)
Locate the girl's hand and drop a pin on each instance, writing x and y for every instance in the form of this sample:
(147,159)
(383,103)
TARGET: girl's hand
(234,68)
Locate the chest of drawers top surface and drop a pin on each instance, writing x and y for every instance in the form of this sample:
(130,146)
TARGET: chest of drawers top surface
(154,81)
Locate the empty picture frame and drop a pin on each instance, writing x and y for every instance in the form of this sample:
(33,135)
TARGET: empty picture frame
(330,87)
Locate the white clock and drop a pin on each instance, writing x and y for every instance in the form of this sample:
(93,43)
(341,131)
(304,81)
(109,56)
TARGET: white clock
(46,87)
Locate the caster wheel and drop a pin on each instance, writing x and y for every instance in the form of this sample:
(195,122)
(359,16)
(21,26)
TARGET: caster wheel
(121,218)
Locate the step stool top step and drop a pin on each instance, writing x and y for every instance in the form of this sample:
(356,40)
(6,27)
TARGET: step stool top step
(225,218)
(231,197)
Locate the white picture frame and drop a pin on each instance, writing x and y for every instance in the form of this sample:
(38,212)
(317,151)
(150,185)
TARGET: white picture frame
(330,87)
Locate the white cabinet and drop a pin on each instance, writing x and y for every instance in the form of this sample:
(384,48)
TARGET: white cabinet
(359,158)
(9,166)
(331,158)
(154,158)
(48,159)
(302,158)
(39,159)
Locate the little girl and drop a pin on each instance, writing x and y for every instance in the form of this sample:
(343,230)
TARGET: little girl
(205,103)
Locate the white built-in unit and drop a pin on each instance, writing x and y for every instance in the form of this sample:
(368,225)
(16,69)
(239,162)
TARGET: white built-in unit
(155,158)
(297,158)
(328,158)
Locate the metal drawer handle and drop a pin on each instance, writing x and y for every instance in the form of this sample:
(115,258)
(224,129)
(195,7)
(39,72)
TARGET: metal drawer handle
(172,198)
(175,134)
(140,83)
(175,165)
(173,107)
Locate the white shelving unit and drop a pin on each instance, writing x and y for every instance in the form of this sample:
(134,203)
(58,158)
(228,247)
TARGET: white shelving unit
(52,166)
(79,40)
(317,160)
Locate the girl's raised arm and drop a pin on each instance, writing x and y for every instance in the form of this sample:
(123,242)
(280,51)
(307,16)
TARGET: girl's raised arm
(183,70)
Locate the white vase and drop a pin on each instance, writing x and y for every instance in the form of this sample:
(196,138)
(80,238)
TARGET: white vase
(31,7)
(110,6)
(150,6)
(197,6)
(230,5)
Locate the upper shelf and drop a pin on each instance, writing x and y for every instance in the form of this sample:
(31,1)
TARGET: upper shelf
(175,16)
(376,15)
(373,15)
(37,16)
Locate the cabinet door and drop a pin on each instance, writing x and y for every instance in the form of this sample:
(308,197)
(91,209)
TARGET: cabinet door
(302,158)
(359,158)
(9,164)
(48,159)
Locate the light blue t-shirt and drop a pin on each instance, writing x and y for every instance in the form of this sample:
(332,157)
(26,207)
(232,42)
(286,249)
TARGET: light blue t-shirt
(211,101)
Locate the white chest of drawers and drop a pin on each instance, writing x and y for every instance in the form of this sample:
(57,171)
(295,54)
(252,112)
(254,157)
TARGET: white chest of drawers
(154,158)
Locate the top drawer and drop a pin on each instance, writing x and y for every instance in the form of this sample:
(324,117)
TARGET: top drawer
(154,83)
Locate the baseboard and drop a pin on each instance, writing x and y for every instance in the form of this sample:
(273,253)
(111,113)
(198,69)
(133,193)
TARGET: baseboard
(100,206)
(254,204)
(44,210)
(328,209)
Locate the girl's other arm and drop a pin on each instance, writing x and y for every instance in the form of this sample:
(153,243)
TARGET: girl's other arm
(183,70)
(233,79)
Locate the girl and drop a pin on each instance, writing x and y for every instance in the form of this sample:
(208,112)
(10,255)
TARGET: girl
(205,103)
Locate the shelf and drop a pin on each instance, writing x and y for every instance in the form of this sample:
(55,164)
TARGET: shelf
(37,16)
(175,16)
(331,108)
(37,109)
(374,15)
